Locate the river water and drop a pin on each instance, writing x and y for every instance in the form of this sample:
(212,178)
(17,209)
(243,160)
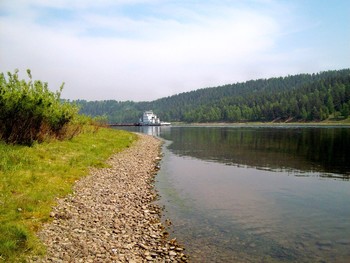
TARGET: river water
(257,194)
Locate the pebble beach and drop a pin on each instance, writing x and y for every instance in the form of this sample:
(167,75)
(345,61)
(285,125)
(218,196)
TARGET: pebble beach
(111,215)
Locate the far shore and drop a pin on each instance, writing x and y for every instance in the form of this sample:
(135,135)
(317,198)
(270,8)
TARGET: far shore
(345,123)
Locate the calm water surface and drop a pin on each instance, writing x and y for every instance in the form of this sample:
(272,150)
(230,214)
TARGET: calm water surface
(254,194)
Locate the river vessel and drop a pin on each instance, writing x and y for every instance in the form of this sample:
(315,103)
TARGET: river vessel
(150,119)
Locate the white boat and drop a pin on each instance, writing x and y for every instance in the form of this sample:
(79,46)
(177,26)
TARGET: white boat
(150,119)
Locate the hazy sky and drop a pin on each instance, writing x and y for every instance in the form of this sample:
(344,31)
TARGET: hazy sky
(147,49)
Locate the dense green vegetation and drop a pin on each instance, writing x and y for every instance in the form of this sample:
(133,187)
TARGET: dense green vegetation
(303,97)
(45,146)
(30,112)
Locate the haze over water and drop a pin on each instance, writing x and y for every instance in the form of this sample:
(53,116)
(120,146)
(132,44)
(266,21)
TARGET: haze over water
(257,194)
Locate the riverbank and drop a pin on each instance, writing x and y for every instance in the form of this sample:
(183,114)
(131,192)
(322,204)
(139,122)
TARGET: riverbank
(110,216)
(32,178)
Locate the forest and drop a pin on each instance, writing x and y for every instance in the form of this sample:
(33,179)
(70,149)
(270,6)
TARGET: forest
(302,97)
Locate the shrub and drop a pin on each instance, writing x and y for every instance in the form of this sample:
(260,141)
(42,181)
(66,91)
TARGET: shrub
(30,112)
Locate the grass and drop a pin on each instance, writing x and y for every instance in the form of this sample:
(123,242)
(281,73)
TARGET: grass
(32,177)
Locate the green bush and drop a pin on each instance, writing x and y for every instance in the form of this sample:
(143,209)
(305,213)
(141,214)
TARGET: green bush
(30,112)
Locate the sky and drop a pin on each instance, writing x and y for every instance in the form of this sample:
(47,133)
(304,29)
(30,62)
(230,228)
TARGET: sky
(142,50)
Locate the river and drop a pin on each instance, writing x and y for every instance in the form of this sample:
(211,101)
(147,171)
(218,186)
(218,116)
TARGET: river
(257,194)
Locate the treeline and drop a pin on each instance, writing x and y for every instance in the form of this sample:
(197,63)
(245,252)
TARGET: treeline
(303,97)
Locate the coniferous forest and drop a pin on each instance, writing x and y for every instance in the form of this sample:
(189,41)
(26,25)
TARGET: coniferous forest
(302,97)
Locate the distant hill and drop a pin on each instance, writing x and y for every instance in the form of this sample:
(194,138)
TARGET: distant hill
(302,97)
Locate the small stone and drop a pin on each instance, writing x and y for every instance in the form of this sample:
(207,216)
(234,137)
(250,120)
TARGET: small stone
(143,246)
(172,253)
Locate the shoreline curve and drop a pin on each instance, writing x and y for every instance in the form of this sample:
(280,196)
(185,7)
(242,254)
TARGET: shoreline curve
(111,215)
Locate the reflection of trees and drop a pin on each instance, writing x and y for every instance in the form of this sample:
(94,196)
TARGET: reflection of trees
(304,149)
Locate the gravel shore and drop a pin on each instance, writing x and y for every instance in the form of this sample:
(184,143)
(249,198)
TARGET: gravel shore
(111,215)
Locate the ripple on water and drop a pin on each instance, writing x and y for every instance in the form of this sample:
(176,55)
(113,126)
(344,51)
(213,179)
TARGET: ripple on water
(343,242)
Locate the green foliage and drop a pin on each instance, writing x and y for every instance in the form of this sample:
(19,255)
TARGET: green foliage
(32,177)
(30,111)
(303,97)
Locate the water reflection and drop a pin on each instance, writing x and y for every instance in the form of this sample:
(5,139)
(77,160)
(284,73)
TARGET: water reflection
(149,130)
(237,213)
(282,149)
(231,197)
